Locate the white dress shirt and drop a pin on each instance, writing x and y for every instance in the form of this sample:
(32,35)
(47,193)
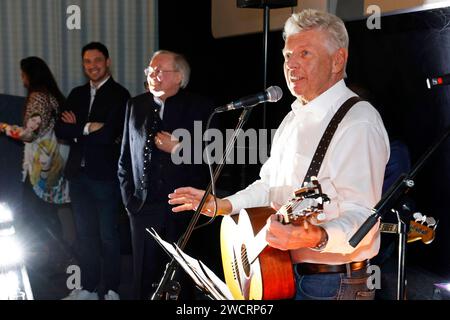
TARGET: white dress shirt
(94,90)
(351,174)
(160,103)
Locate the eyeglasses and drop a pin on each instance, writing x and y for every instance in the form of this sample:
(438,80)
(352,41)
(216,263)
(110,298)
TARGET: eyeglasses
(148,71)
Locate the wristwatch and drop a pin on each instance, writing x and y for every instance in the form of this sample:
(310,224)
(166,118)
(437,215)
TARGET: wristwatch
(322,243)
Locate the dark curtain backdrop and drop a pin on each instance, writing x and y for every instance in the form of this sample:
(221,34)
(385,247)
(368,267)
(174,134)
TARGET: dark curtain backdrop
(392,64)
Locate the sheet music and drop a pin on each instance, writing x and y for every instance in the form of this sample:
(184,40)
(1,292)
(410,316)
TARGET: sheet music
(217,281)
(203,277)
(170,250)
(212,281)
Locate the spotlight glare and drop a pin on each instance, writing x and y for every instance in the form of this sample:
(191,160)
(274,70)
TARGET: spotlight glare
(5,214)
(10,252)
(10,285)
(7,232)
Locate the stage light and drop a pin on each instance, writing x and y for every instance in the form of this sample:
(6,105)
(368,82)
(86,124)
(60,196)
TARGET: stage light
(6,216)
(441,291)
(10,283)
(14,282)
(10,252)
(6,221)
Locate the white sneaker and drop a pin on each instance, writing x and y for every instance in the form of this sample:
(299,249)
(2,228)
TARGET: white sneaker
(79,294)
(112,295)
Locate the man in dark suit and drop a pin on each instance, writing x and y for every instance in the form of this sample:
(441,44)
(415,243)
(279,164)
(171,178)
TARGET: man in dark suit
(93,121)
(147,173)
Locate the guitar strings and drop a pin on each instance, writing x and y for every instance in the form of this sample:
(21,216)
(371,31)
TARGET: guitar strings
(292,205)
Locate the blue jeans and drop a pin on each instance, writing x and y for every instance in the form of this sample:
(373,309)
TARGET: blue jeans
(333,286)
(96,206)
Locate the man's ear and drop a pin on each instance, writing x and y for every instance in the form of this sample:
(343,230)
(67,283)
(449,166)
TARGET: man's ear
(108,62)
(180,78)
(339,60)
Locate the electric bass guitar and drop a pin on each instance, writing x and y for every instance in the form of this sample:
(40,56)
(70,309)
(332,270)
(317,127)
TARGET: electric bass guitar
(421,228)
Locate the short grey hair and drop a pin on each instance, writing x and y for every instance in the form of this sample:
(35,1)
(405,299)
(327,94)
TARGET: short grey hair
(313,19)
(180,64)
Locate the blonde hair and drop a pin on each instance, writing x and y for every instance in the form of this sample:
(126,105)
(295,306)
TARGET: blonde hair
(49,148)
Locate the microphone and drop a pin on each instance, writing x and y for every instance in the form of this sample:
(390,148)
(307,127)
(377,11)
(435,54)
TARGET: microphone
(272,94)
(438,81)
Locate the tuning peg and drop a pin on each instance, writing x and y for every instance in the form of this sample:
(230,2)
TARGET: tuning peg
(434,227)
(325,199)
(321,216)
(430,221)
(418,216)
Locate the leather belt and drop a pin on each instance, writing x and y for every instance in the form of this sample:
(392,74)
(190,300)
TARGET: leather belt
(313,268)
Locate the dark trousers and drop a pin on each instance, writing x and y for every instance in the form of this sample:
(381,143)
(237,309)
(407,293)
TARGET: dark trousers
(96,206)
(149,259)
(37,221)
(33,208)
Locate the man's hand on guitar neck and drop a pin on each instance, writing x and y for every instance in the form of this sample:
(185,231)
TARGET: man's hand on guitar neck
(188,198)
(290,237)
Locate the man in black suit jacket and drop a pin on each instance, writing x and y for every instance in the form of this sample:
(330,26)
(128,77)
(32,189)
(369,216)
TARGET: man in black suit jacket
(93,123)
(147,173)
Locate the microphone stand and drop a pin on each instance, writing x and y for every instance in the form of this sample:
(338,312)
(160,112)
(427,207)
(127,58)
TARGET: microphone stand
(389,200)
(168,288)
(266,27)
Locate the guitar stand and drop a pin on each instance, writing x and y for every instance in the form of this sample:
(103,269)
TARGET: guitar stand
(401,272)
(399,229)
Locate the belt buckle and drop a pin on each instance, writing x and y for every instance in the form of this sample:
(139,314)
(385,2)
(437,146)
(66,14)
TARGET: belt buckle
(359,265)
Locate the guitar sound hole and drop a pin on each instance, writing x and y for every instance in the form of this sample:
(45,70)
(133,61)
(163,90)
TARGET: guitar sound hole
(244,259)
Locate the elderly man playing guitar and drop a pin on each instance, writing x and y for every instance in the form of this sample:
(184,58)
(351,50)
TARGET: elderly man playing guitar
(330,134)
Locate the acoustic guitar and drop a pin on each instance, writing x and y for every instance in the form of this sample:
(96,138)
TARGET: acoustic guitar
(253,270)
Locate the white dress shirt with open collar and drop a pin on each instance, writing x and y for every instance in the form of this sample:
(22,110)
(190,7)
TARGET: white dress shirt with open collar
(351,174)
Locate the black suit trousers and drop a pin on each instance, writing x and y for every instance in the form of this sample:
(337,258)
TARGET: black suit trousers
(149,259)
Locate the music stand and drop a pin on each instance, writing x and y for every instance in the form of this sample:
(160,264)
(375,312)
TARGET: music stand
(203,277)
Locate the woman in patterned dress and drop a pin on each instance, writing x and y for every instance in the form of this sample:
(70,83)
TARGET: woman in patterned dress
(44,186)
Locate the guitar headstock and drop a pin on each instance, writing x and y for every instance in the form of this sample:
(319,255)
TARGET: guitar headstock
(307,203)
(422,228)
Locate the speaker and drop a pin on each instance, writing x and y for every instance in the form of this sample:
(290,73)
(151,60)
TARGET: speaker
(273,4)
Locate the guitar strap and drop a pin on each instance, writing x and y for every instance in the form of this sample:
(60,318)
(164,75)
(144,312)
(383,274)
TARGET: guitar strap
(322,148)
